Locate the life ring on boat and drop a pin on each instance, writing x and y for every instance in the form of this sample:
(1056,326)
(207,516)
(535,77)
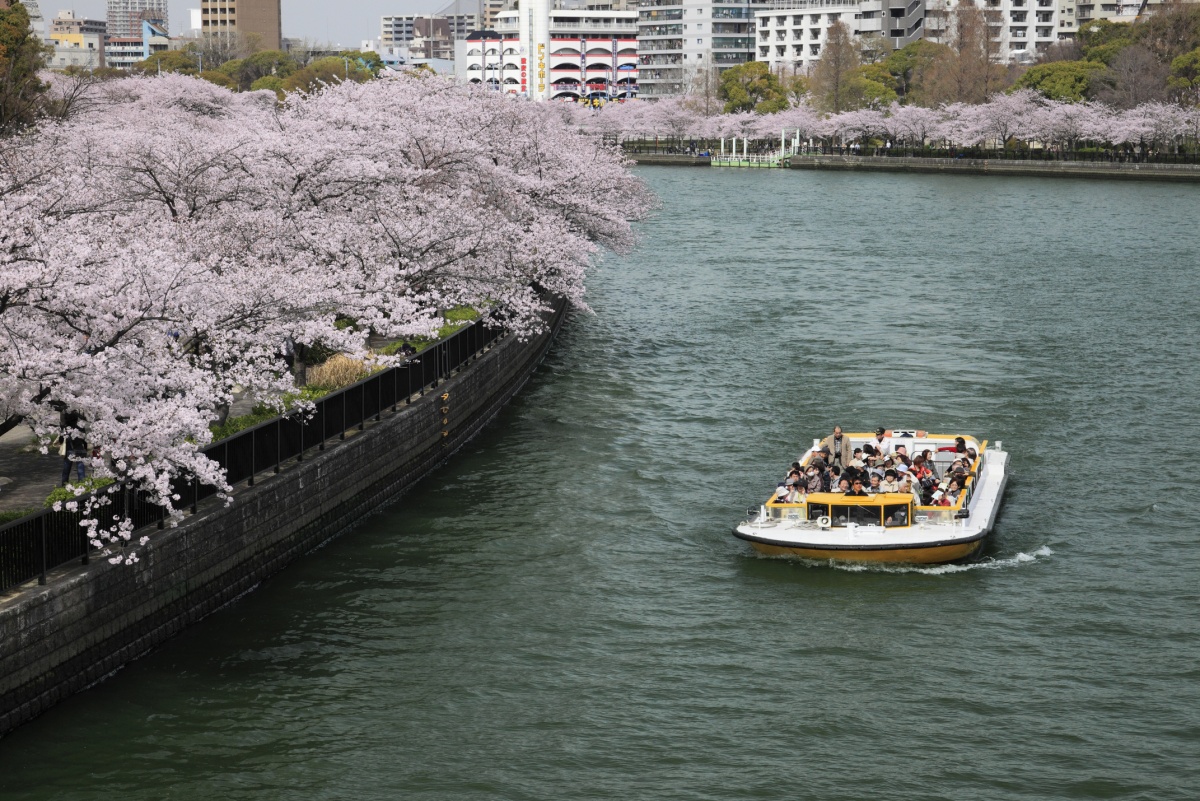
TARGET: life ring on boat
(824,522)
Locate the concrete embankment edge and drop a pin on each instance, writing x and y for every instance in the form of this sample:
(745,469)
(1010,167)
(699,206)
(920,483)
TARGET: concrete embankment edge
(1040,169)
(88,621)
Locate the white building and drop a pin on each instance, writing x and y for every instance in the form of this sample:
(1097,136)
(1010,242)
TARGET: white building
(555,51)
(1019,29)
(792,33)
(401,29)
(677,39)
(85,50)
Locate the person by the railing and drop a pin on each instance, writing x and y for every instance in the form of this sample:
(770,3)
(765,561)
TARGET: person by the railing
(73,447)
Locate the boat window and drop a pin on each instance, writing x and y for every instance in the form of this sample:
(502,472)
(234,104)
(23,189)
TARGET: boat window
(859,515)
(897,514)
(817,510)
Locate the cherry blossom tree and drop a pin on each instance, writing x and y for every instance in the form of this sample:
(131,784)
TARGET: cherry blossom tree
(144,277)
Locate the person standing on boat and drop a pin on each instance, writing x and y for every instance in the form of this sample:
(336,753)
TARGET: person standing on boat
(883,443)
(838,447)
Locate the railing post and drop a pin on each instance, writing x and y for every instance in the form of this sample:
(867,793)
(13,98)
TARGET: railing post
(42,531)
(395,388)
(278,442)
(322,445)
(253,454)
(195,492)
(362,407)
(342,436)
(378,398)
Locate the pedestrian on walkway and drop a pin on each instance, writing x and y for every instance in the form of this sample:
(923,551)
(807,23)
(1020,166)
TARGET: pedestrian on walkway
(73,448)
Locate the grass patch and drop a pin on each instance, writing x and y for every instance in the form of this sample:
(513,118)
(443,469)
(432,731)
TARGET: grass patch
(66,493)
(262,413)
(453,319)
(15,514)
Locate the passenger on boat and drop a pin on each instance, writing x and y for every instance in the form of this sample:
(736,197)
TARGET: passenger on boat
(876,485)
(816,483)
(889,482)
(922,472)
(844,485)
(960,446)
(794,493)
(856,469)
(902,452)
(838,447)
(883,443)
(896,518)
(856,489)
(835,474)
(953,491)
(927,460)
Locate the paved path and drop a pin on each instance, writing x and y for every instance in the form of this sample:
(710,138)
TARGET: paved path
(26,476)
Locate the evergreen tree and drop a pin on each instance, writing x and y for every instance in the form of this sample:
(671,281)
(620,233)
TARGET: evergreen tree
(21,56)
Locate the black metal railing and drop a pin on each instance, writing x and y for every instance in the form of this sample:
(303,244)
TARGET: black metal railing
(44,540)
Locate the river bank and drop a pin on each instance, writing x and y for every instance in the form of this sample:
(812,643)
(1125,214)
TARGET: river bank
(89,620)
(1188,173)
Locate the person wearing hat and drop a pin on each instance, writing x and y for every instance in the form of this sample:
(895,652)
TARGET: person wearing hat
(838,447)
(890,481)
(856,469)
(882,442)
(875,466)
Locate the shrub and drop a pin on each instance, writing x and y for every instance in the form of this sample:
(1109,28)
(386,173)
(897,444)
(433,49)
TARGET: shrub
(338,371)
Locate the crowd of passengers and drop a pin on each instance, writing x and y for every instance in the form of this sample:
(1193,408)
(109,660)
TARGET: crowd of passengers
(881,465)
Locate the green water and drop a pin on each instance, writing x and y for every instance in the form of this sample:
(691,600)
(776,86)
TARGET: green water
(561,612)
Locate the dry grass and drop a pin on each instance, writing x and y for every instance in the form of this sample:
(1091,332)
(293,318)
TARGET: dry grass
(339,371)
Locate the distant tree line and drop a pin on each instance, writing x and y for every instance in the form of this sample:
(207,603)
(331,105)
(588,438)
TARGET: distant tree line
(1122,65)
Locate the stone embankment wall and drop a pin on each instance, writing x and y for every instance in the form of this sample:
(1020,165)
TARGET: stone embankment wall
(670,159)
(1061,169)
(88,621)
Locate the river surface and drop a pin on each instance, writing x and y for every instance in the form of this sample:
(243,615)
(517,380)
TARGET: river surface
(562,613)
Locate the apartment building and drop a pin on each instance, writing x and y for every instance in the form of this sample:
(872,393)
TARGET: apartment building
(77,41)
(792,33)
(125,16)
(677,39)
(253,18)
(1018,29)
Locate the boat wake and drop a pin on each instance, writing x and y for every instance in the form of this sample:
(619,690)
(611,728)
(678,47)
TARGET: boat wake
(988,563)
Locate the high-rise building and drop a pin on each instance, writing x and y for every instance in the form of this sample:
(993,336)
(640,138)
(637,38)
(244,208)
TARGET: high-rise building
(680,39)
(250,18)
(125,16)
(37,22)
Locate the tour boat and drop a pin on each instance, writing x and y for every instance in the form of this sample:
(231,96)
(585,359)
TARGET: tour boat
(890,526)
